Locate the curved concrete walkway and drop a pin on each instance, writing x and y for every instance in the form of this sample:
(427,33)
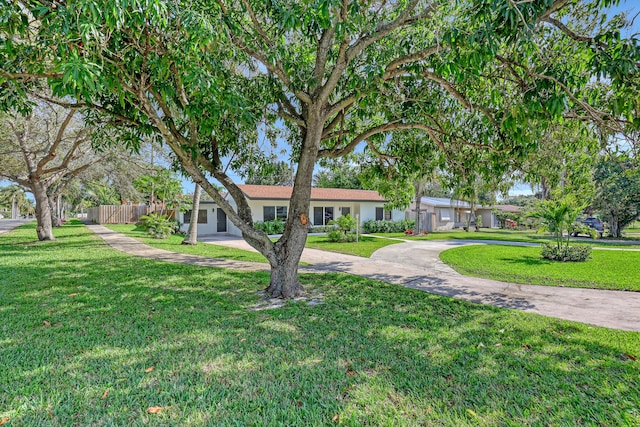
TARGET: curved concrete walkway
(613,309)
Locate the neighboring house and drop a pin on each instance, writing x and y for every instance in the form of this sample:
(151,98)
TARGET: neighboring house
(440,214)
(269,202)
(211,219)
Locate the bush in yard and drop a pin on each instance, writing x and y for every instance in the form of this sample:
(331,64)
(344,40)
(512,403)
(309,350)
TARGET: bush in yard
(575,253)
(270,227)
(157,226)
(344,233)
(373,226)
(321,228)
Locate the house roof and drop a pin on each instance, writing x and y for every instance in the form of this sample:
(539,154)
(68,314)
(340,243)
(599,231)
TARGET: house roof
(508,208)
(273,192)
(440,202)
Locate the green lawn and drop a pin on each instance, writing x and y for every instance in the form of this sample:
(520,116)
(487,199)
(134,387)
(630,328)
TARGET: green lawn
(527,236)
(606,270)
(364,247)
(174,244)
(91,336)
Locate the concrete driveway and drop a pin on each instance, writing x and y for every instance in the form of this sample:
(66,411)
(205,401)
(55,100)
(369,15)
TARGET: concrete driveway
(416,265)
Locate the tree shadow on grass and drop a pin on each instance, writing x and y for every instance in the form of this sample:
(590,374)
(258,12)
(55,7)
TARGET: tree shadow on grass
(527,260)
(372,353)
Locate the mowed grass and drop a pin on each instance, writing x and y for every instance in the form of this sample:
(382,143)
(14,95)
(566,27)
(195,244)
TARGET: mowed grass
(364,247)
(607,269)
(527,236)
(174,243)
(91,336)
(486,234)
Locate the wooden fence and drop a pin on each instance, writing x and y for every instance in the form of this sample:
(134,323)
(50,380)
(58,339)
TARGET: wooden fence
(116,214)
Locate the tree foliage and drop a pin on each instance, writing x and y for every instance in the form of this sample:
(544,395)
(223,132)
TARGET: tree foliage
(617,196)
(338,173)
(43,152)
(335,75)
(273,172)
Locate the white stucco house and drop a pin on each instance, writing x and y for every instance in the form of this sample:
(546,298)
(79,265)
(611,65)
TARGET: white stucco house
(269,202)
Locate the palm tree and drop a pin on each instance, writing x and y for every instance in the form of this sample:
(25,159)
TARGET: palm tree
(558,216)
(17,197)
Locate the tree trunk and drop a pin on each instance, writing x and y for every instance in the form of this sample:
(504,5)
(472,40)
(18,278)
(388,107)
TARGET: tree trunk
(418,201)
(192,233)
(288,250)
(614,226)
(43,212)
(53,209)
(14,208)
(284,272)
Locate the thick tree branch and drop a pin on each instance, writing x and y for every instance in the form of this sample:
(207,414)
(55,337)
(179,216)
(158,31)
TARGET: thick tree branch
(572,34)
(52,151)
(394,67)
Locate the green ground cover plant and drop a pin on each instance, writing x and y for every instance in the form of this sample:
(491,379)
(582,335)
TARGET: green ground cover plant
(364,247)
(174,243)
(92,336)
(605,270)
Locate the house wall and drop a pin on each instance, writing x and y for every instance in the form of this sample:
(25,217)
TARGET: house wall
(488,218)
(366,210)
(211,226)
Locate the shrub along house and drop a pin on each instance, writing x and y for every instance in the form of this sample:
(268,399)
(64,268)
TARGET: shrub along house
(269,202)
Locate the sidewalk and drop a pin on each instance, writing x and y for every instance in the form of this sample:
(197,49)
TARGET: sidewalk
(7,225)
(613,309)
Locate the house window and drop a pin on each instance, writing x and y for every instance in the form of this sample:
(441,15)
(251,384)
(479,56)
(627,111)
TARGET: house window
(202,216)
(379,214)
(345,211)
(281,213)
(322,215)
(270,213)
(387,215)
(445,215)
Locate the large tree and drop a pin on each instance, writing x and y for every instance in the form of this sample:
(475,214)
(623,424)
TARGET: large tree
(335,74)
(42,152)
(617,196)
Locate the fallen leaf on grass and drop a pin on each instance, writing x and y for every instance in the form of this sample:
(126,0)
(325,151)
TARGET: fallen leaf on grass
(45,323)
(351,372)
(527,346)
(149,369)
(155,409)
(4,420)
(336,418)
(630,356)
(105,394)
(73,295)
(470,411)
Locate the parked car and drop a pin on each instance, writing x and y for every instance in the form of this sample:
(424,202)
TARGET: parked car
(592,223)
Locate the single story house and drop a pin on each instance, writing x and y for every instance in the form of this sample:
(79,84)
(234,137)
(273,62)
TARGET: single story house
(270,202)
(440,214)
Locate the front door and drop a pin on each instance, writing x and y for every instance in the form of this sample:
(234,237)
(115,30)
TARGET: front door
(222,221)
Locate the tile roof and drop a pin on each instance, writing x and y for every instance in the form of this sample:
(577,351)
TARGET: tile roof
(441,202)
(273,192)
